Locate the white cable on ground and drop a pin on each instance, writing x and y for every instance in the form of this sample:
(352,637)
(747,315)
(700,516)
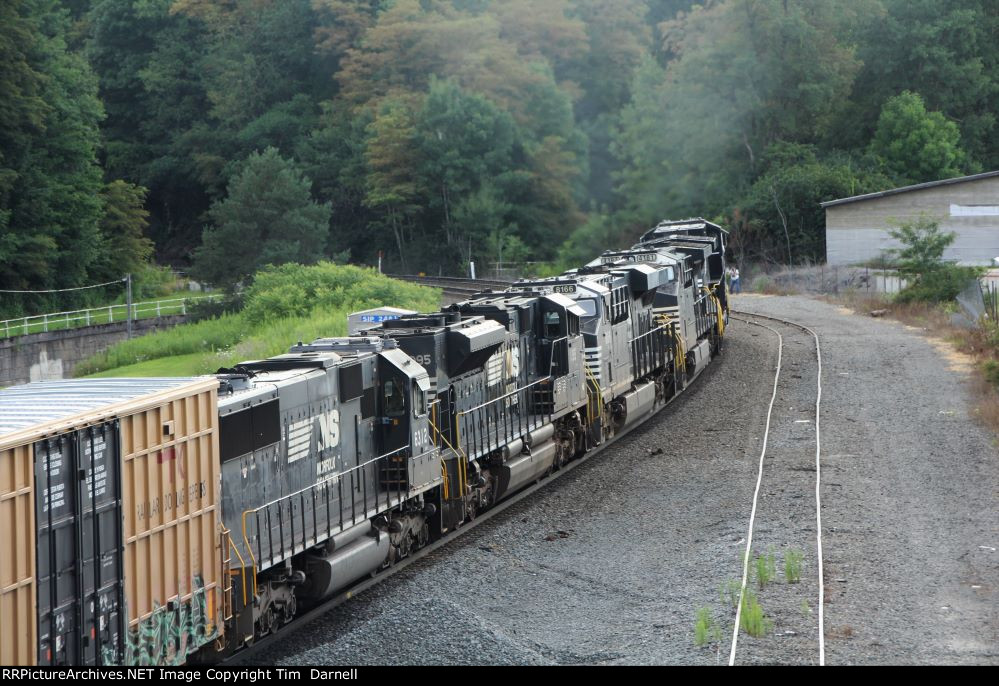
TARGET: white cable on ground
(818,503)
(756,495)
(818,484)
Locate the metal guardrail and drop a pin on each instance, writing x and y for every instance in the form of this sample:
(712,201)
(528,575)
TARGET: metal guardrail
(108,314)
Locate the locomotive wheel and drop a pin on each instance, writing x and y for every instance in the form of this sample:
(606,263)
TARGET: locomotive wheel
(265,624)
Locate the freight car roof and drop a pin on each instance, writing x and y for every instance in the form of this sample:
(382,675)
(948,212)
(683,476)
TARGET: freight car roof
(44,403)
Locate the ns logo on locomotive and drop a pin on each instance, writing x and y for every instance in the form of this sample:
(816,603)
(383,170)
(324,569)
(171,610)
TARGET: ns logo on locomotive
(317,468)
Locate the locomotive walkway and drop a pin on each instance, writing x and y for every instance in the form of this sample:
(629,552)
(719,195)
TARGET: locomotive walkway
(610,564)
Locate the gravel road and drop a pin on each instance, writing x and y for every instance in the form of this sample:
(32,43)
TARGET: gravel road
(609,564)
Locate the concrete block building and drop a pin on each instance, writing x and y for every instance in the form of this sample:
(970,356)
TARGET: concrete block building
(857,228)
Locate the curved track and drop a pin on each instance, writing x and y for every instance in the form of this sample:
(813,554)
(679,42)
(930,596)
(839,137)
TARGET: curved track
(759,479)
(299,622)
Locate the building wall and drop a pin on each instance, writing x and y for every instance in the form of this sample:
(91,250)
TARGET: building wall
(858,231)
(54,355)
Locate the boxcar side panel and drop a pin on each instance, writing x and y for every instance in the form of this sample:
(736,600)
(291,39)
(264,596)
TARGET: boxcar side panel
(172,526)
(18,630)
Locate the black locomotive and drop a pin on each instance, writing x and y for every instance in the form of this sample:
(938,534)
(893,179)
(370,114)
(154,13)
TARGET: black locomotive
(347,454)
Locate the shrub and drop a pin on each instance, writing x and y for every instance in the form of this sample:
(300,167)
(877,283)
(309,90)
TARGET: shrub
(296,290)
(938,285)
(286,304)
(991,369)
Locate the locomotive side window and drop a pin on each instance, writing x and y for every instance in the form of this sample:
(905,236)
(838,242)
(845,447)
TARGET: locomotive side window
(553,325)
(419,401)
(589,306)
(394,402)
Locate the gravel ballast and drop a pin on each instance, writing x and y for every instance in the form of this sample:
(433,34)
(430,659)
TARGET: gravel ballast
(609,564)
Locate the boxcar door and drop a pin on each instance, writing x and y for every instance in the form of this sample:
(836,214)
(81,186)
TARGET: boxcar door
(79,548)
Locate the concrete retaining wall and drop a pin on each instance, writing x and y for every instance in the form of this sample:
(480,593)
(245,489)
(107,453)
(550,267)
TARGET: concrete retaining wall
(54,355)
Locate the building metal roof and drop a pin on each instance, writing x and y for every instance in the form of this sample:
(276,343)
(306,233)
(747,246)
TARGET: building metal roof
(906,189)
(44,402)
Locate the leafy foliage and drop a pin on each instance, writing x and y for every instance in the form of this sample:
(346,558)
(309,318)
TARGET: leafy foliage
(435,132)
(296,290)
(923,245)
(917,145)
(268,218)
(920,257)
(284,304)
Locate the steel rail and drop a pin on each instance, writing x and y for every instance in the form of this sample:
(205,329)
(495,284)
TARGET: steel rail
(818,477)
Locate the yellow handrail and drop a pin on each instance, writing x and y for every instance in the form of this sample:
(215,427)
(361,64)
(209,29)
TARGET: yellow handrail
(599,393)
(242,566)
(249,549)
(457,451)
(718,309)
(681,359)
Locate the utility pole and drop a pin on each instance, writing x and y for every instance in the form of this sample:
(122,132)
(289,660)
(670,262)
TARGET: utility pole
(128,304)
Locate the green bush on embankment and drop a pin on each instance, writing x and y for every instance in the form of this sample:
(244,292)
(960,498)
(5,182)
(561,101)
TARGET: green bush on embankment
(283,305)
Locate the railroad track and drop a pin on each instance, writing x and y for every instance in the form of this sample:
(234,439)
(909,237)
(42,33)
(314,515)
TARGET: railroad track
(798,329)
(261,645)
(453,285)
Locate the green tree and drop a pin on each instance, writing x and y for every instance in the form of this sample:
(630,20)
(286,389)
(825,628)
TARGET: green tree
(464,140)
(268,218)
(917,145)
(747,74)
(149,63)
(922,245)
(920,257)
(392,162)
(49,178)
(124,246)
(944,50)
(333,156)
(782,209)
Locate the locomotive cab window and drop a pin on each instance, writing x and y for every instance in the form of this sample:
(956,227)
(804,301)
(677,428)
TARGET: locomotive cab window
(553,325)
(393,400)
(589,306)
(572,324)
(419,401)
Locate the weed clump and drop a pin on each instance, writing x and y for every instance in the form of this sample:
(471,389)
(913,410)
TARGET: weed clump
(752,620)
(792,566)
(705,628)
(766,568)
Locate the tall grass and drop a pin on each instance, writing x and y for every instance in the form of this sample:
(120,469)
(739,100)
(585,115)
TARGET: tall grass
(752,620)
(284,305)
(766,568)
(705,628)
(205,336)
